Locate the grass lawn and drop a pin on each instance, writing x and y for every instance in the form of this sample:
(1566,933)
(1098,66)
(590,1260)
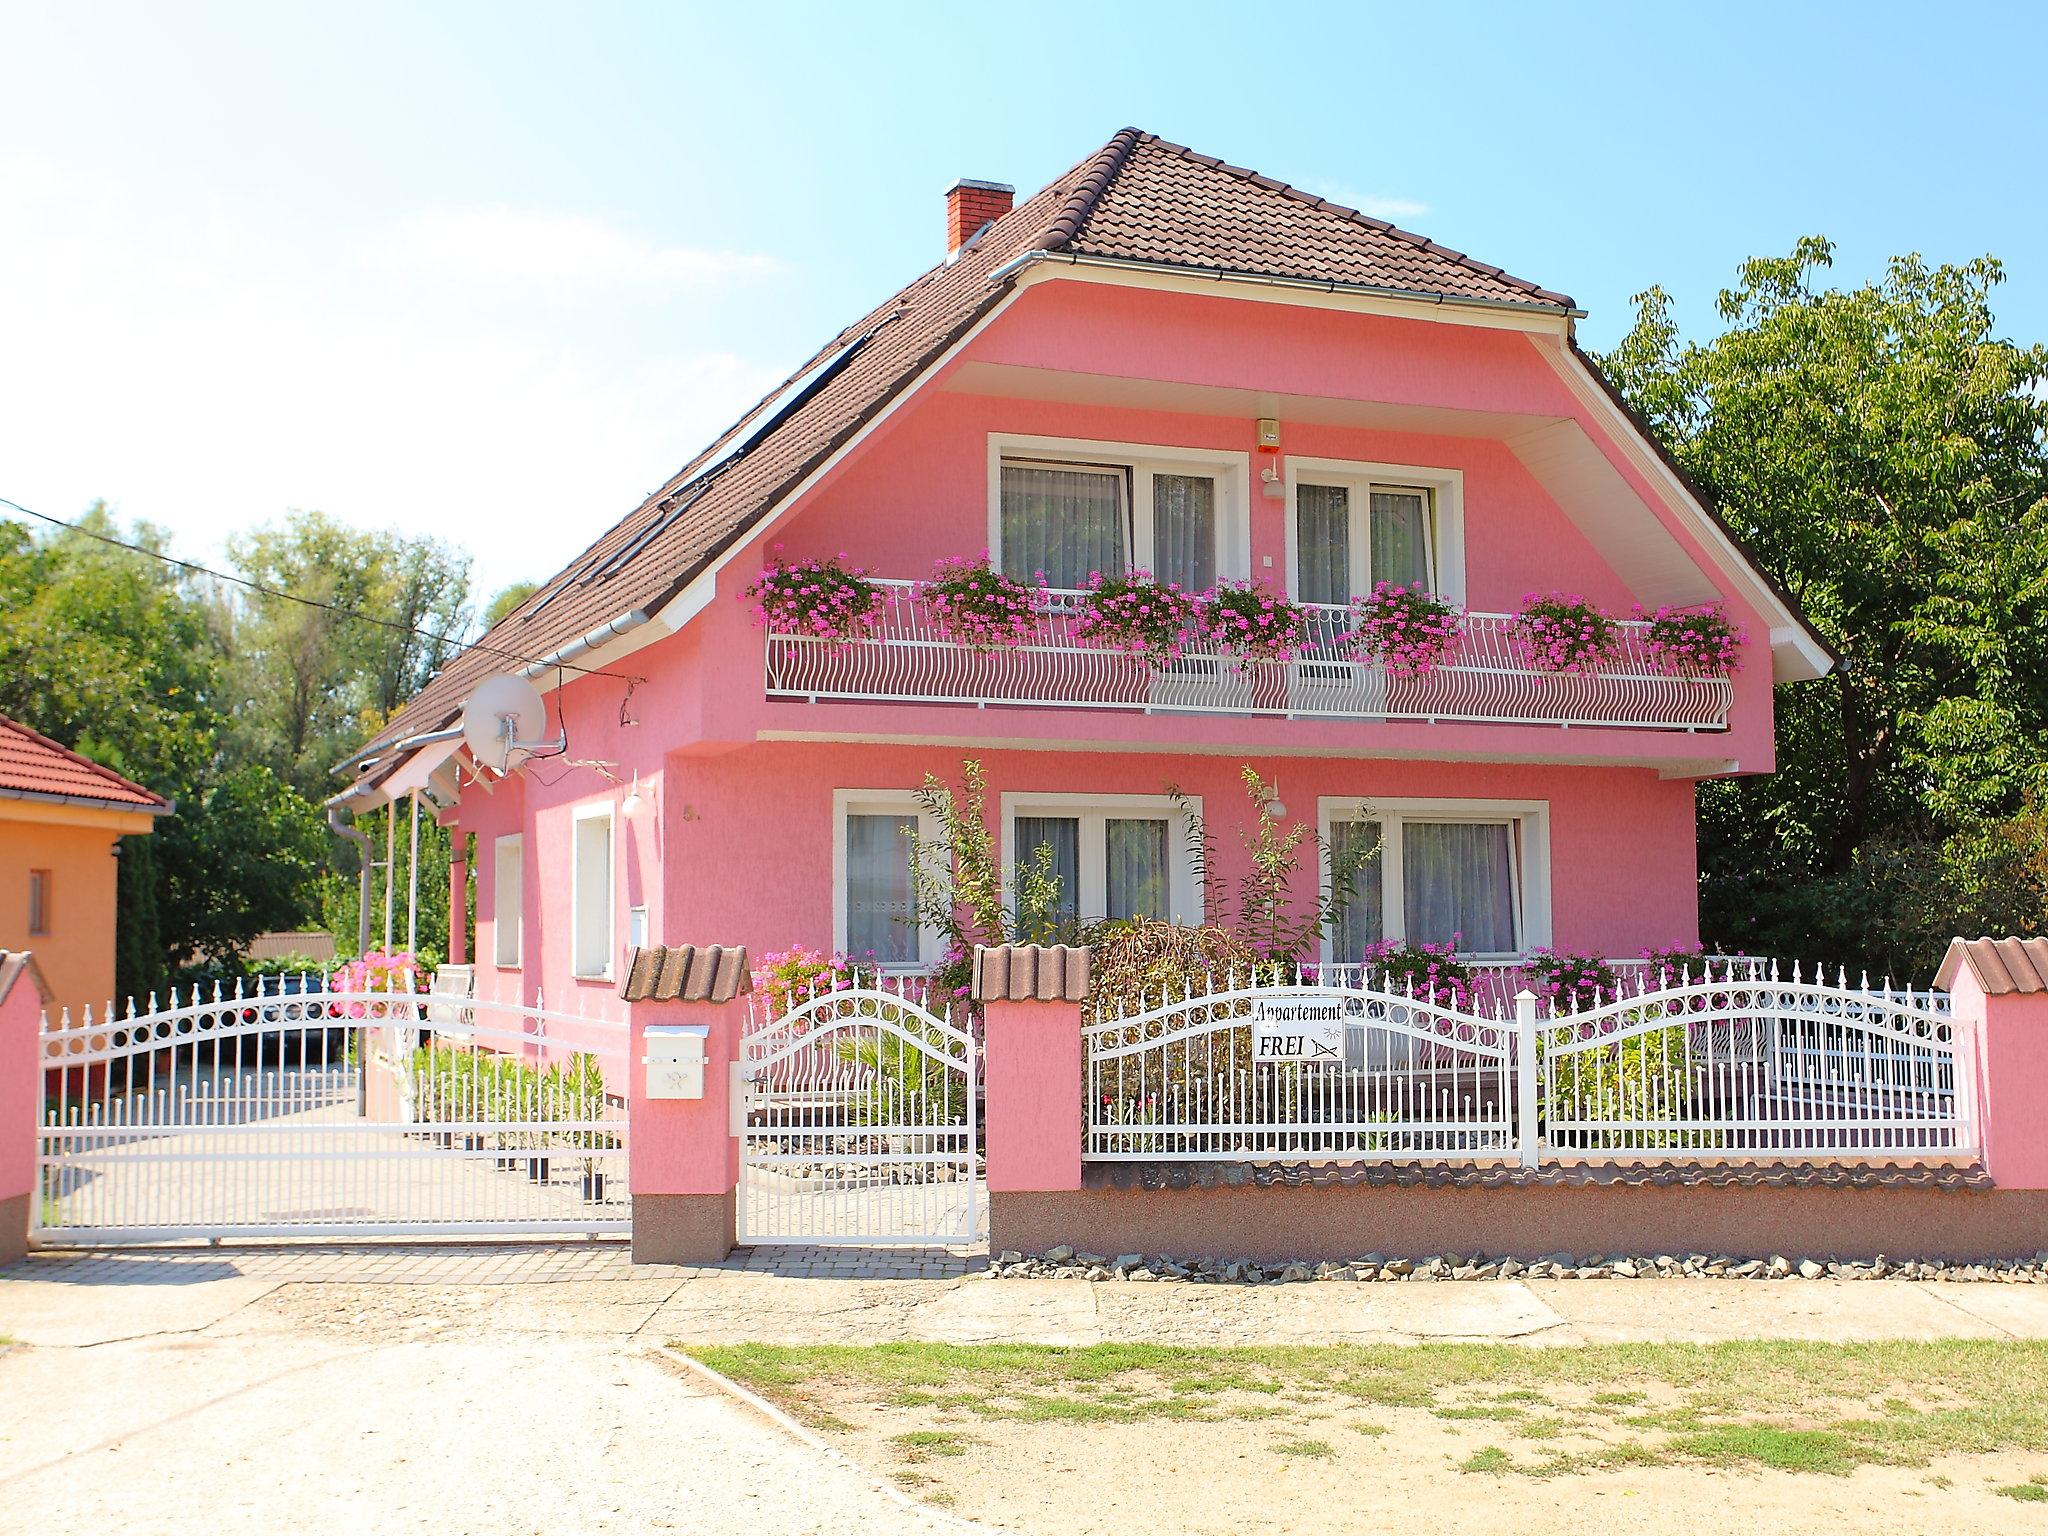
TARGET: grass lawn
(1484,1411)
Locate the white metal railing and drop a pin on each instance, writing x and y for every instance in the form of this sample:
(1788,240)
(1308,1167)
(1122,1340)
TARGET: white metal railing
(907,655)
(856,1109)
(1741,1060)
(295,1108)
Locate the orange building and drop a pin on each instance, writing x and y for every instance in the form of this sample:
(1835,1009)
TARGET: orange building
(60,815)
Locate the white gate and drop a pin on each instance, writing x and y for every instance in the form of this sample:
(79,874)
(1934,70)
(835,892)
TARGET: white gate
(856,1115)
(299,1110)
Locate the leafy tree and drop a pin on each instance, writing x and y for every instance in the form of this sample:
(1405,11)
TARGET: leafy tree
(508,600)
(1886,457)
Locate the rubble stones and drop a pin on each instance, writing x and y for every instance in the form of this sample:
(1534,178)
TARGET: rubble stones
(1063,1262)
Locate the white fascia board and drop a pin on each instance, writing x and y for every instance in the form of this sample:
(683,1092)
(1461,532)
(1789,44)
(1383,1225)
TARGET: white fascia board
(697,595)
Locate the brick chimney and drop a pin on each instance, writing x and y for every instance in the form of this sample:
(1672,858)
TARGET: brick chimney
(971,204)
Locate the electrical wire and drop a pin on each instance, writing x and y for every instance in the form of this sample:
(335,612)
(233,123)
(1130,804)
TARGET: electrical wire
(630,679)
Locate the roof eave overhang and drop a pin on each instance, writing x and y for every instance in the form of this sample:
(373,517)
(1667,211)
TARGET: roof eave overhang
(90,802)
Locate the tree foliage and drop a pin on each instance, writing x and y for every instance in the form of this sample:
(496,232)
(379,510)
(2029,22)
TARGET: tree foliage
(1885,456)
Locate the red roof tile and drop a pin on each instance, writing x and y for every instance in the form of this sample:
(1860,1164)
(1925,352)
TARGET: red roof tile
(32,764)
(2001,966)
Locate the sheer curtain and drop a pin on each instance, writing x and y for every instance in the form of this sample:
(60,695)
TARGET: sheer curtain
(1184,530)
(1362,921)
(1400,538)
(1135,868)
(1067,523)
(1459,879)
(1063,835)
(881,917)
(1322,542)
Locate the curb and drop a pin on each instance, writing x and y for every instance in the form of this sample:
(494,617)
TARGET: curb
(812,1440)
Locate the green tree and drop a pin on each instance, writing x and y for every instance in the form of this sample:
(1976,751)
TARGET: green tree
(508,600)
(1885,456)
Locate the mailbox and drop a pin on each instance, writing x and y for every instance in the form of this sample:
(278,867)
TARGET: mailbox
(674,1058)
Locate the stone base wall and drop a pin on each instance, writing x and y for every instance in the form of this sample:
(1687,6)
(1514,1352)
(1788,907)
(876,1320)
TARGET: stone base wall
(1525,1222)
(14,1215)
(682,1229)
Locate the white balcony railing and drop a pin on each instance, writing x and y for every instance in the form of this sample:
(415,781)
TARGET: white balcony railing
(908,657)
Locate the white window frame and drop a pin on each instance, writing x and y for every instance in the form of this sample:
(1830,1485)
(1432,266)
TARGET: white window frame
(39,883)
(514,845)
(1183,888)
(1447,496)
(878,802)
(599,811)
(1528,853)
(1230,470)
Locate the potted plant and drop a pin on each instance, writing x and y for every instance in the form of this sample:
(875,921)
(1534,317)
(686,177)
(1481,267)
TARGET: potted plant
(1692,642)
(1574,979)
(1410,631)
(976,606)
(1253,622)
(1140,616)
(1563,632)
(823,599)
(1429,973)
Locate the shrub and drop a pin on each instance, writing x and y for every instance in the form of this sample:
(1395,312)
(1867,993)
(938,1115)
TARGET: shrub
(1430,973)
(1408,630)
(787,978)
(1249,620)
(977,606)
(1563,632)
(1689,641)
(380,970)
(1140,616)
(824,598)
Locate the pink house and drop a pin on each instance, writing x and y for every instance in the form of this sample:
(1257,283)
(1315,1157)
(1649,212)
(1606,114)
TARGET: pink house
(1157,362)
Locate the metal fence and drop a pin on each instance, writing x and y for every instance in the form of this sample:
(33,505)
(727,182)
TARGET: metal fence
(293,1108)
(907,654)
(1740,1060)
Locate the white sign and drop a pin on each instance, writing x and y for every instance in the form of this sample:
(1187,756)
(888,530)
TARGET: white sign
(1298,1028)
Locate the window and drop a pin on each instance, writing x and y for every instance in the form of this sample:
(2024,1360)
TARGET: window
(1474,873)
(1113,856)
(1354,526)
(508,898)
(1178,513)
(39,901)
(875,896)
(591,895)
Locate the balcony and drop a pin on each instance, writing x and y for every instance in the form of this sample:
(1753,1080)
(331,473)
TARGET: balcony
(907,658)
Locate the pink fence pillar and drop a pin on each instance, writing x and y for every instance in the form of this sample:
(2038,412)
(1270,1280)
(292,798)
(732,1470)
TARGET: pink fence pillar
(684,1162)
(1031,999)
(1999,993)
(22,996)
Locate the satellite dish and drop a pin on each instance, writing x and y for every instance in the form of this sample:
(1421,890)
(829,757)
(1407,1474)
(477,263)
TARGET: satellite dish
(503,720)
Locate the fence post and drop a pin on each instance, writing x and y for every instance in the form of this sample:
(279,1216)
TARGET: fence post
(22,996)
(1031,997)
(683,1160)
(1999,1000)
(1525,1075)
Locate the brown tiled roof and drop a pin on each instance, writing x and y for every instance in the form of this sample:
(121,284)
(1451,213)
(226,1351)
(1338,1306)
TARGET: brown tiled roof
(32,764)
(688,973)
(1137,198)
(2001,966)
(1028,973)
(19,963)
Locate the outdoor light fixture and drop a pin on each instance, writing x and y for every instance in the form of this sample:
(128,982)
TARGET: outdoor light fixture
(630,806)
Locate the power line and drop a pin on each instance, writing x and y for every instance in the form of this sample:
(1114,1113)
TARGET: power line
(314,602)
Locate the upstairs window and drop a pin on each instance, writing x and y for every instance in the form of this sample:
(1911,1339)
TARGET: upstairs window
(1350,535)
(1179,514)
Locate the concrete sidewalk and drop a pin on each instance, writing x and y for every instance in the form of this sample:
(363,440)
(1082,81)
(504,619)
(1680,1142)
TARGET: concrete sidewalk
(590,1290)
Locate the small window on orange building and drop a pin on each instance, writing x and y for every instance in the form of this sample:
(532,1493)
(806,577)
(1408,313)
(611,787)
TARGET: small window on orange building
(39,901)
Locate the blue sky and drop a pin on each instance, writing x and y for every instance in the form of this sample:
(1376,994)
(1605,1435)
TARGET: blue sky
(493,271)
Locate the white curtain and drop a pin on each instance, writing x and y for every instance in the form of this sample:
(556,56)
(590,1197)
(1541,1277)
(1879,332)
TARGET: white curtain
(1136,868)
(1322,542)
(1362,921)
(1400,538)
(1068,523)
(1184,530)
(881,914)
(1459,879)
(1063,835)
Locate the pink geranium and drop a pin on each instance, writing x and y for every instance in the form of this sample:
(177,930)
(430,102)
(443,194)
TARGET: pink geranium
(976,606)
(1408,630)
(823,599)
(1249,620)
(1140,616)
(381,971)
(1563,632)
(1701,640)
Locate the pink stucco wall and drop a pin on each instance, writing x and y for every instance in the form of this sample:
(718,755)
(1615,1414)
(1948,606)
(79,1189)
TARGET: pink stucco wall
(21,1085)
(2003,1054)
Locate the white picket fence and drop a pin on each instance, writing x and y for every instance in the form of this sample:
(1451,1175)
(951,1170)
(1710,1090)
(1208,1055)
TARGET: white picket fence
(1741,1060)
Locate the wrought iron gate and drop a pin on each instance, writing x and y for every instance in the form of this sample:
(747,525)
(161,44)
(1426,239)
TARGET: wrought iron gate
(300,1110)
(857,1119)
